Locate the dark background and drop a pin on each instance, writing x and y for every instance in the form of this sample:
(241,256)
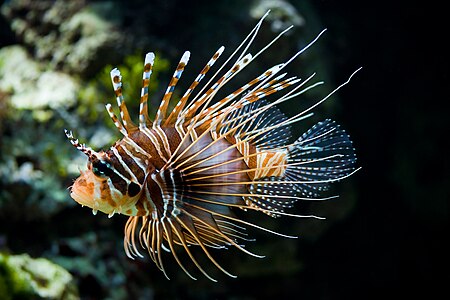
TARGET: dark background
(391,243)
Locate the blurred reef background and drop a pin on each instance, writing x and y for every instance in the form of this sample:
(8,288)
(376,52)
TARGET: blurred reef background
(384,237)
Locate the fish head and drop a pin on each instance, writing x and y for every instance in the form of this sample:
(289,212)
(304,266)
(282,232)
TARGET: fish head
(103,188)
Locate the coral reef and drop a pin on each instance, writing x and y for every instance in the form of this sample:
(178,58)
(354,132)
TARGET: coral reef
(23,277)
(68,35)
(30,85)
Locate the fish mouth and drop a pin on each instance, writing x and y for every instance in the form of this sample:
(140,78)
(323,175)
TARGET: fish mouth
(88,200)
(82,198)
(83,192)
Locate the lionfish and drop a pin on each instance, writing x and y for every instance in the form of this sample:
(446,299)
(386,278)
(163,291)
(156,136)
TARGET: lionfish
(181,177)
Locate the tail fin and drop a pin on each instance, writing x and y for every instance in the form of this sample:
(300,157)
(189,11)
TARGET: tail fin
(322,155)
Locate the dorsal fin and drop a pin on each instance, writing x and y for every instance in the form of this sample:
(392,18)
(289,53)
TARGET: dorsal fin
(144,120)
(276,137)
(190,111)
(161,113)
(116,79)
(209,112)
(183,101)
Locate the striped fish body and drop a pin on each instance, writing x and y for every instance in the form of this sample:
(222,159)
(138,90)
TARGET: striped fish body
(139,159)
(181,177)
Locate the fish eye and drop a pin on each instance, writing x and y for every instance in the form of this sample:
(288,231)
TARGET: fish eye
(101,168)
(133,189)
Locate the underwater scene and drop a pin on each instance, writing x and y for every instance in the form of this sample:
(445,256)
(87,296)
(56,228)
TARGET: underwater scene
(266,149)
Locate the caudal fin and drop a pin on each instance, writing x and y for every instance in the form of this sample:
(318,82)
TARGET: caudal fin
(322,155)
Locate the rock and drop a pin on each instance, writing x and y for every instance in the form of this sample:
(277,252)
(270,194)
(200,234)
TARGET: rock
(29,278)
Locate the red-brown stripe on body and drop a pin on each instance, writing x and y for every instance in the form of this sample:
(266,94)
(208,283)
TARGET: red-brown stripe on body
(155,151)
(115,161)
(173,137)
(132,164)
(143,141)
